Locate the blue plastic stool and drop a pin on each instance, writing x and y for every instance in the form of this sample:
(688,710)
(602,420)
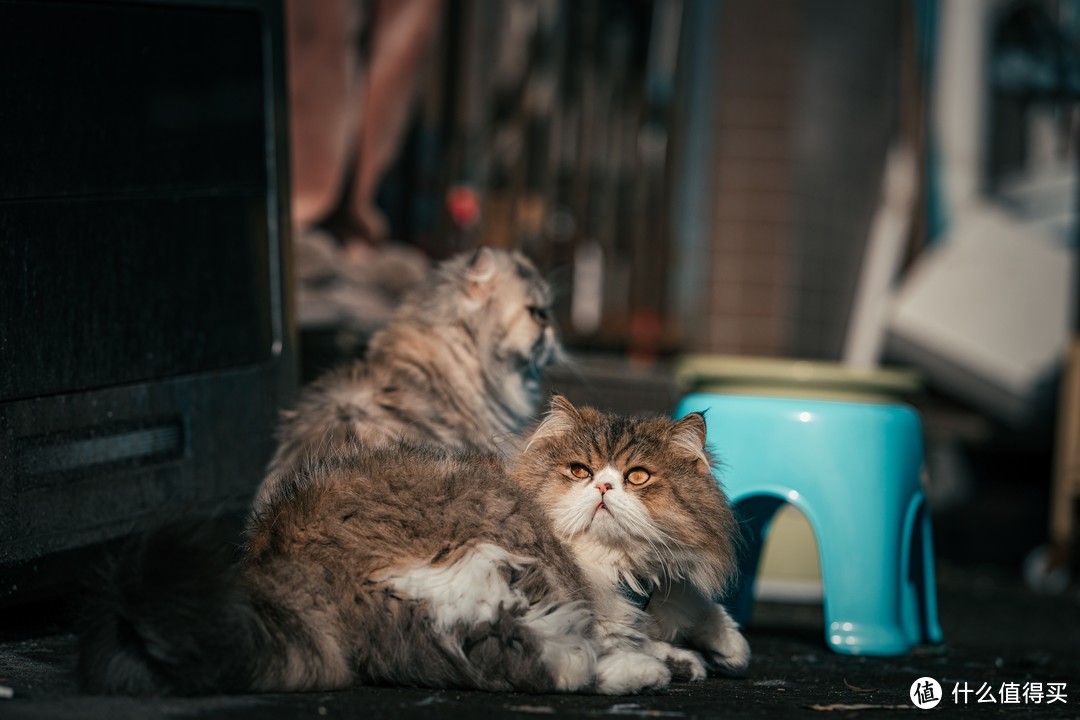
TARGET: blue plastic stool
(852,469)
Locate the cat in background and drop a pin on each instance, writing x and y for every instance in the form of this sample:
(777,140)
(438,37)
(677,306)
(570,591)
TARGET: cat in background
(417,565)
(636,501)
(458,366)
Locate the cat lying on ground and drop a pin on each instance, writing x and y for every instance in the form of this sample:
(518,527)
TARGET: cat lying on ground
(635,500)
(392,543)
(415,565)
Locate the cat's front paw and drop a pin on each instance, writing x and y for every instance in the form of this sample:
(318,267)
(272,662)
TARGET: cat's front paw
(627,673)
(685,665)
(729,652)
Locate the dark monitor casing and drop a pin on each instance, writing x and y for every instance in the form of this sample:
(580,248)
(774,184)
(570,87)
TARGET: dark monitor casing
(146,333)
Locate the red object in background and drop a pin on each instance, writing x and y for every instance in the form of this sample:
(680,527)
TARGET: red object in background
(646,327)
(464,206)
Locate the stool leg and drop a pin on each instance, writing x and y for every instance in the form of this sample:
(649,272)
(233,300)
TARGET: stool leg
(863,589)
(931,628)
(917,580)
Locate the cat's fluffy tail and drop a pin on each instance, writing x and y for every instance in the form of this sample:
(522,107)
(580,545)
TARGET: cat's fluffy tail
(172,617)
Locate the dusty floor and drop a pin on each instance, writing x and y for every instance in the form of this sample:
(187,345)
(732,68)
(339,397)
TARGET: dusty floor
(996,633)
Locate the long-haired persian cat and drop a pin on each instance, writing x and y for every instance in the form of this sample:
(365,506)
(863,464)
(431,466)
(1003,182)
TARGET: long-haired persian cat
(591,565)
(458,366)
(636,501)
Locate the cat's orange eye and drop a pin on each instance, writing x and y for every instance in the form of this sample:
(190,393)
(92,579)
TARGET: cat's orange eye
(579,471)
(638,476)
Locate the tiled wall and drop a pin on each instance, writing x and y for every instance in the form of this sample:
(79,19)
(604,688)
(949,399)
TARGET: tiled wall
(847,110)
(806,100)
(749,287)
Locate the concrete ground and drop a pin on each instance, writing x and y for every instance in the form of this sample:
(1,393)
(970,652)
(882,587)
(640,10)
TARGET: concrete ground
(997,633)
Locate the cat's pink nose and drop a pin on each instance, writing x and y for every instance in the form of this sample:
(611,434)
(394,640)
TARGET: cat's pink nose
(603,487)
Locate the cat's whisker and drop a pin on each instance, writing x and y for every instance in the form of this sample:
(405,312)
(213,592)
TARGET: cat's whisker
(659,542)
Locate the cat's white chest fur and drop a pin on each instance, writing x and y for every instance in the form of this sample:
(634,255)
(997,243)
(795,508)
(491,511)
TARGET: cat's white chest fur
(606,568)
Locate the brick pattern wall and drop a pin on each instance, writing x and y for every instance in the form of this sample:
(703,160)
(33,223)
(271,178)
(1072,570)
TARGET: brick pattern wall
(807,106)
(749,287)
(847,108)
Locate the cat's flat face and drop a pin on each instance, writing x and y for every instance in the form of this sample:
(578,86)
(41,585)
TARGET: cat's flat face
(639,486)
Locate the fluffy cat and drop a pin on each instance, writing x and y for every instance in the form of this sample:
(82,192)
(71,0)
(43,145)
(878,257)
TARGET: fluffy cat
(635,500)
(458,366)
(402,565)
(391,544)
(417,565)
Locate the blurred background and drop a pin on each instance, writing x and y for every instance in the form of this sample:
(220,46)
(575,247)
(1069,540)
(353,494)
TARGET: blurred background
(207,203)
(865,184)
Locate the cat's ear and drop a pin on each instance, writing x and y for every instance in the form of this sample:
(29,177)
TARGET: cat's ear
(690,434)
(479,272)
(559,404)
(560,420)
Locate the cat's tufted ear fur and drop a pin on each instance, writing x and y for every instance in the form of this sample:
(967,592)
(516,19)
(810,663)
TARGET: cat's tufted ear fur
(561,418)
(689,434)
(560,405)
(479,273)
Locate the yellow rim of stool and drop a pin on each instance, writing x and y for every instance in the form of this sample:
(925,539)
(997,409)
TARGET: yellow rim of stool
(814,379)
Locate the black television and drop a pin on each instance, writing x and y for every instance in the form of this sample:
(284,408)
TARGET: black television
(146,339)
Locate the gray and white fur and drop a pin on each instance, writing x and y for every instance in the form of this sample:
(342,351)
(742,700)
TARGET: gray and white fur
(458,366)
(636,501)
(399,540)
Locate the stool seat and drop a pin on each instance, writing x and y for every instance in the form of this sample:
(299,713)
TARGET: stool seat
(853,469)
